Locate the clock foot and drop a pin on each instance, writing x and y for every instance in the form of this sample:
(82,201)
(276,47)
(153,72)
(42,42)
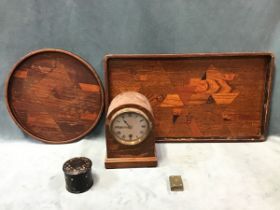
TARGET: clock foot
(111,163)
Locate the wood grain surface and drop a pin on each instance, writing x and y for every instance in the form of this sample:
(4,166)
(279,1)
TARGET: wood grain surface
(198,97)
(54,96)
(120,155)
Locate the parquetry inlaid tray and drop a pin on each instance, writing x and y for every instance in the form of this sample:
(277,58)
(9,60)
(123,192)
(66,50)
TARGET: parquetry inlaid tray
(54,96)
(198,97)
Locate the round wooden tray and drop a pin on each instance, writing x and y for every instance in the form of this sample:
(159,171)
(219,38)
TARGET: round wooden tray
(54,96)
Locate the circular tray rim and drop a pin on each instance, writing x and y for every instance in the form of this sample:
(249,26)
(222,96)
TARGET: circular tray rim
(44,50)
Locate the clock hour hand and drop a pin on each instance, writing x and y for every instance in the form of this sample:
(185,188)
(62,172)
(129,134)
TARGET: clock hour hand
(129,126)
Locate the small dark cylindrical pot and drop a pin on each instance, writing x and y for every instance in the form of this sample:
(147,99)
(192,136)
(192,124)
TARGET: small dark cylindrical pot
(78,175)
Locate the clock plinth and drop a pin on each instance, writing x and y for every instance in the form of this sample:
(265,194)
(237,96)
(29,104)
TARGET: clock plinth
(130,137)
(130,162)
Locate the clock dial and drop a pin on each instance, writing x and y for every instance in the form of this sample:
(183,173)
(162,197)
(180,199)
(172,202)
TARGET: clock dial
(130,128)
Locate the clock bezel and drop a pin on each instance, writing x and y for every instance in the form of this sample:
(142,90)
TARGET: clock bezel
(129,110)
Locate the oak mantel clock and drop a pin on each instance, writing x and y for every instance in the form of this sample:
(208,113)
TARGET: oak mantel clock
(130,135)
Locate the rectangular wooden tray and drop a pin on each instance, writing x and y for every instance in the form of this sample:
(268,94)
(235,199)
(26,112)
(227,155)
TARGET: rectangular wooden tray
(209,97)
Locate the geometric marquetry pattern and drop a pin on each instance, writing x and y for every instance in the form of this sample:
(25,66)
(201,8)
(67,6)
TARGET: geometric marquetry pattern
(55,97)
(196,98)
(213,85)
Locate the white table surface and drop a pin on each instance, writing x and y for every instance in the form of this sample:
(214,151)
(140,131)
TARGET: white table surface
(216,176)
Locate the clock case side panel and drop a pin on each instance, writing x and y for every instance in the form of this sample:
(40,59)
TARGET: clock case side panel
(216,139)
(126,156)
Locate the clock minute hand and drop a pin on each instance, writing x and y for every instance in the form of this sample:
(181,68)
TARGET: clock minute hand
(121,127)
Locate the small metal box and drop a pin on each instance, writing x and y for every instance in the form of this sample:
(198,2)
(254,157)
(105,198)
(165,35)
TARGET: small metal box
(176,183)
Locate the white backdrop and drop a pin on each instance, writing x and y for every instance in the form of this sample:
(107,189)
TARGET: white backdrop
(216,176)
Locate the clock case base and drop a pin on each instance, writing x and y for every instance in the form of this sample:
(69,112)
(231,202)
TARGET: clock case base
(111,163)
